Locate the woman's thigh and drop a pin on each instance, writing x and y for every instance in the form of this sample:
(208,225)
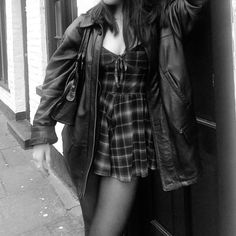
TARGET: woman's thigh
(115,201)
(89,201)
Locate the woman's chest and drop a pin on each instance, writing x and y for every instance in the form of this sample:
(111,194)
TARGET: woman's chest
(114,43)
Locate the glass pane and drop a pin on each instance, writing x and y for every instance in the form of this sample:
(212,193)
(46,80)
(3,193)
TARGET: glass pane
(3,56)
(234,40)
(58,19)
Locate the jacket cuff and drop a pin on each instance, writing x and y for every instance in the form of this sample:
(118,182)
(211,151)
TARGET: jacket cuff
(43,135)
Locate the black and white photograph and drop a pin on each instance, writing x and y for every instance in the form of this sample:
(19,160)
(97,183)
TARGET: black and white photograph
(117,117)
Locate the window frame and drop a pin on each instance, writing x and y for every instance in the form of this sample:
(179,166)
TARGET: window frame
(53,22)
(3,47)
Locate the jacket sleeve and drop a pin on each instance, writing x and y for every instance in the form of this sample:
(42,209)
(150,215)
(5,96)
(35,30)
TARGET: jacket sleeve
(182,14)
(57,70)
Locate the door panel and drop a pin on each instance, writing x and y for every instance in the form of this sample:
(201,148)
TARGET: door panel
(204,194)
(192,210)
(199,60)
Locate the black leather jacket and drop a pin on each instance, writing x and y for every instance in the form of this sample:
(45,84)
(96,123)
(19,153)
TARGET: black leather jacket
(169,97)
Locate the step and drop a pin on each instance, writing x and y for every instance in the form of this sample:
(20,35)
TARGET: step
(21,130)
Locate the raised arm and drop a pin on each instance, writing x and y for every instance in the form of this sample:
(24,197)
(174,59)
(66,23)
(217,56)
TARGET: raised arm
(182,14)
(58,68)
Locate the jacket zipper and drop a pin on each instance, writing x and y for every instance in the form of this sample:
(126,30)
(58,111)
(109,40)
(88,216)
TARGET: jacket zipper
(94,130)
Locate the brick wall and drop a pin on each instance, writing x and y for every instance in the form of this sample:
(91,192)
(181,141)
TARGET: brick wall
(37,54)
(15,99)
(37,51)
(36,46)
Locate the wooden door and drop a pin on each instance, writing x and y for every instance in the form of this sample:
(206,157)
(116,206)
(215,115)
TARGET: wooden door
(192,210)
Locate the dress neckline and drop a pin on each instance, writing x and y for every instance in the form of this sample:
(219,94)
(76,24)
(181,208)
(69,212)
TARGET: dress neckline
(124,53)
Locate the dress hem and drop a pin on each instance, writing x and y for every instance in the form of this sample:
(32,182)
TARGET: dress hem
(125,180)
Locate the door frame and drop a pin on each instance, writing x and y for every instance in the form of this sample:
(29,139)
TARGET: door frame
(25,51)
(225,114)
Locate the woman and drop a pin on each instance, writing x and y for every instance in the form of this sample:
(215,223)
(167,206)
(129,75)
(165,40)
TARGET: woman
(135,113)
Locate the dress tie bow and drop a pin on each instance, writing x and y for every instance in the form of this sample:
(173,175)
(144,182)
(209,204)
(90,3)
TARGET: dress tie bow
(120,68)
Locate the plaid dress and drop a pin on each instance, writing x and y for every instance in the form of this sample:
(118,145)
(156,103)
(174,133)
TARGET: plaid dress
(125,144)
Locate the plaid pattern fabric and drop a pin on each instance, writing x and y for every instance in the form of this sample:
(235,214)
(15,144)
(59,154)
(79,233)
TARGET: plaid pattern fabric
(125,145)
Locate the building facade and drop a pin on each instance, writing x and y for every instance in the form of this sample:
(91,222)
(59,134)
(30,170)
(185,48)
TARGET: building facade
(30,32)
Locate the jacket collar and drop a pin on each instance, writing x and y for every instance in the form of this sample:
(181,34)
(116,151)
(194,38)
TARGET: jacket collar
(87,20)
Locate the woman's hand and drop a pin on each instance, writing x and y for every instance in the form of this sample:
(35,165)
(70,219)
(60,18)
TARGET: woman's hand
(41,157)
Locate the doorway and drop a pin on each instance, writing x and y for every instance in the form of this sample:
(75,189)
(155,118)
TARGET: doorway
(192,210)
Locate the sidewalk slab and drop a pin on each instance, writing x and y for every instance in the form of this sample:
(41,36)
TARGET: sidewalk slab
(21,130)
(28,210)
(21,179)
(41,231)
(7,141)
(3,163)
(30,202)
(71,204)
(3,191)
(13,156)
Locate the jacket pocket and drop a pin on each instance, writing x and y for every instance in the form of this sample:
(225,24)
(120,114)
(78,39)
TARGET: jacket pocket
(189,132)
(174,84)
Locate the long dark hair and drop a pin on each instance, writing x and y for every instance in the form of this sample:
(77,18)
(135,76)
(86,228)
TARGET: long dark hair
(140,19)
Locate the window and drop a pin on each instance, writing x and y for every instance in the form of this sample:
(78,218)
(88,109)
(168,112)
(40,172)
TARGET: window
(58,21)
(3,53)
(60,13)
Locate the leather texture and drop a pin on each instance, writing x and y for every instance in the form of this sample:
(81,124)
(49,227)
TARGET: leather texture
(65,109)
(169,96)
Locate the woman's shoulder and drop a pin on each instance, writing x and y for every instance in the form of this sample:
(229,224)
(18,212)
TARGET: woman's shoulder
(86,19)
(81,21)
(75,29)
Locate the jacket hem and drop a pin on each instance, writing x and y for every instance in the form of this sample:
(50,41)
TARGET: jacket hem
(175,186)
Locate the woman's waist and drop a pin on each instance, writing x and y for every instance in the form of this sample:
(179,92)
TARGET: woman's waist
(124,87)
(123,90)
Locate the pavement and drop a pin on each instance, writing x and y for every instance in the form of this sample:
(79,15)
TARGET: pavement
(32,204)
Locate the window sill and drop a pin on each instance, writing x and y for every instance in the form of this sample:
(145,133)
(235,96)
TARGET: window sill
(4,86)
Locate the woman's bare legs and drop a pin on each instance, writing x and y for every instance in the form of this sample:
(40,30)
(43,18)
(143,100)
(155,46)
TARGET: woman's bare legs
(113,207)
(89,201)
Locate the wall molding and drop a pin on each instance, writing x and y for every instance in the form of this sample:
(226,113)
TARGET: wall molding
(11,115)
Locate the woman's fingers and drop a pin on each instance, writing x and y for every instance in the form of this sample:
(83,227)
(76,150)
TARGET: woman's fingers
(48,157)
(41,159)
(45,168)
(37,158)
(47,161)
(41,167)
(36,163)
